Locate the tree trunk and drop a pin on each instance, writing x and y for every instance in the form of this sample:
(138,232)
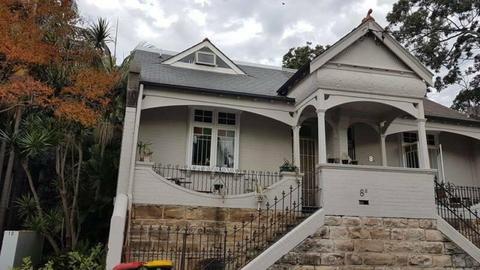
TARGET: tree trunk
(75,195)
(7,182)
(3,149)
(61,157)
(50,239)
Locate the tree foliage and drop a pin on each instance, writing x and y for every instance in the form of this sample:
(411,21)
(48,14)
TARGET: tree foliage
(59,85)
(445,36)
(296,57)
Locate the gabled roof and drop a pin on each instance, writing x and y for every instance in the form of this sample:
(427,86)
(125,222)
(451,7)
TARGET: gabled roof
(366,27)
(371,26)
(208,44)
(258,80)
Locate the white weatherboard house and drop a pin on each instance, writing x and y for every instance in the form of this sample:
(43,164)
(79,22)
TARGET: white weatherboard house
(384,177)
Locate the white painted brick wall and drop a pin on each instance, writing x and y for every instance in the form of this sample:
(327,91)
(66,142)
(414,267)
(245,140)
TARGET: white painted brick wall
(391,192)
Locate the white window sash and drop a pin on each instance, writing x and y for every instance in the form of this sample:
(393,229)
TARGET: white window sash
(214,140)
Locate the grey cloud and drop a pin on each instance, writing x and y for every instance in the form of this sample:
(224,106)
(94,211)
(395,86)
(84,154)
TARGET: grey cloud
(331,19)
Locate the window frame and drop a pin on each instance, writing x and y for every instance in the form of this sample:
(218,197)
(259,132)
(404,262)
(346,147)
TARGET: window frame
(404,144)
(213,144)
(197,61)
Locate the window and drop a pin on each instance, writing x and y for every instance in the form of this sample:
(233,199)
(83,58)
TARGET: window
(202,140)
(205,58)
(214,139)
(410,149)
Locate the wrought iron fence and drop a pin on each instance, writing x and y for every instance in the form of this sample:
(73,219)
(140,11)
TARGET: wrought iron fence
(217,181)
(467,195)
(457,212)
(229,246)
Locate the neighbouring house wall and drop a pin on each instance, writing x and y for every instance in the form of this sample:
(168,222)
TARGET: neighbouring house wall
(166,129)
(458,158)
(477,162)
(264,143)
(353,242)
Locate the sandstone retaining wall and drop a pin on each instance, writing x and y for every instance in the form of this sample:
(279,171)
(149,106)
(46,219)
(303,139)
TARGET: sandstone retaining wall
(376,243)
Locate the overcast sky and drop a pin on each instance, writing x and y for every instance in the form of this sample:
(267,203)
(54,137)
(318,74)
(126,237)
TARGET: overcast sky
(259,31)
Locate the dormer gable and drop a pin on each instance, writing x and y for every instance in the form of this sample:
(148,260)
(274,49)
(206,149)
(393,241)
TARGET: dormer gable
(204,56)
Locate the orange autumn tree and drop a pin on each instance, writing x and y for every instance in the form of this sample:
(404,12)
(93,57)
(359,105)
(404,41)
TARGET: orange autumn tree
(22,47)
(47,66)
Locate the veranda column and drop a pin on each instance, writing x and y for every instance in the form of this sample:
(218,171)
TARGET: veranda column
(424,160)
(322,141)
(384,149)
(296,145)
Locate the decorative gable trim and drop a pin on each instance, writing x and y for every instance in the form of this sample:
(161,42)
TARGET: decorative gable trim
(372,27)
(232,67)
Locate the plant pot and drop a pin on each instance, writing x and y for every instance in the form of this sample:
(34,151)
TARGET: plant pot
(344,161)
(217,187)
(331,160)
(354,162)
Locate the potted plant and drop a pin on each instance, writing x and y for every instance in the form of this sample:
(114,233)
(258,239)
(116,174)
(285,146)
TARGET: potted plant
(287,166)
(144,152)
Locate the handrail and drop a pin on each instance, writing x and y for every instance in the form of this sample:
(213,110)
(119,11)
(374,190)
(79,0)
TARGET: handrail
(440,185)
(469,228)
(229,246)
(222,182)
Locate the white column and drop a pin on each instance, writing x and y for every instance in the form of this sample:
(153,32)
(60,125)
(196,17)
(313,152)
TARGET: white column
(296,146)
(424,160)
(384,149)
(322,140)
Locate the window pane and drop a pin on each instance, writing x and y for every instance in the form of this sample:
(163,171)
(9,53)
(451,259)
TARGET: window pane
(411,156)
(203,116)
(225,148)
(431,139)
(202,139)
(409,137)
(226,118)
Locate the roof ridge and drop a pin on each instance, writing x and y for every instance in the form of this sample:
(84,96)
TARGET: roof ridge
(152,49)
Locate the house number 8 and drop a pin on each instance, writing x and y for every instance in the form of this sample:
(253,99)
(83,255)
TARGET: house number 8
(363,192)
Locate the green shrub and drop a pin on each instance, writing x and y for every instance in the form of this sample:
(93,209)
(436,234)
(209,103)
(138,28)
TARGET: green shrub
(93,259)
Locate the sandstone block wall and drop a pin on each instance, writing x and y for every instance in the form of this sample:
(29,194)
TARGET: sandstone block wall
(376,243)
(192,215)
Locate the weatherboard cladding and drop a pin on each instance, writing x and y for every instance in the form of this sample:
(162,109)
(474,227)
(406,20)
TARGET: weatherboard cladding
(258,81)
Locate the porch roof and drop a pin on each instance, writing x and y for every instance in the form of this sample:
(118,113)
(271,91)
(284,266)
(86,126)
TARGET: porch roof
(259,81)
(434,110)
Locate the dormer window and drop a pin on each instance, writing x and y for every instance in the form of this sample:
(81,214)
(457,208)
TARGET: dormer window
(205,58)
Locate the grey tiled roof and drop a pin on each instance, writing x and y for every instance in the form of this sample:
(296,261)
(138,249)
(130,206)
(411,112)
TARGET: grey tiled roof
(434,109)
(257,81)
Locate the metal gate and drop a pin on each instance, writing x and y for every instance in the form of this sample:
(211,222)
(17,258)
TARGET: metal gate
(308,161)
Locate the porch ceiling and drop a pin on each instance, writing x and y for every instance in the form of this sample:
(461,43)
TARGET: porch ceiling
(368,110)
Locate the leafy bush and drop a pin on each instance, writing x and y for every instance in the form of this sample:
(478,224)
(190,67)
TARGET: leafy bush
(93,259)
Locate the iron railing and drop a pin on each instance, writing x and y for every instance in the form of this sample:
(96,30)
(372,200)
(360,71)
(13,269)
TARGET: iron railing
(229,246)
(468,195)
(217,181)
(457,213)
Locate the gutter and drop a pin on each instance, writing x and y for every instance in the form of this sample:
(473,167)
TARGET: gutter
(221,92)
